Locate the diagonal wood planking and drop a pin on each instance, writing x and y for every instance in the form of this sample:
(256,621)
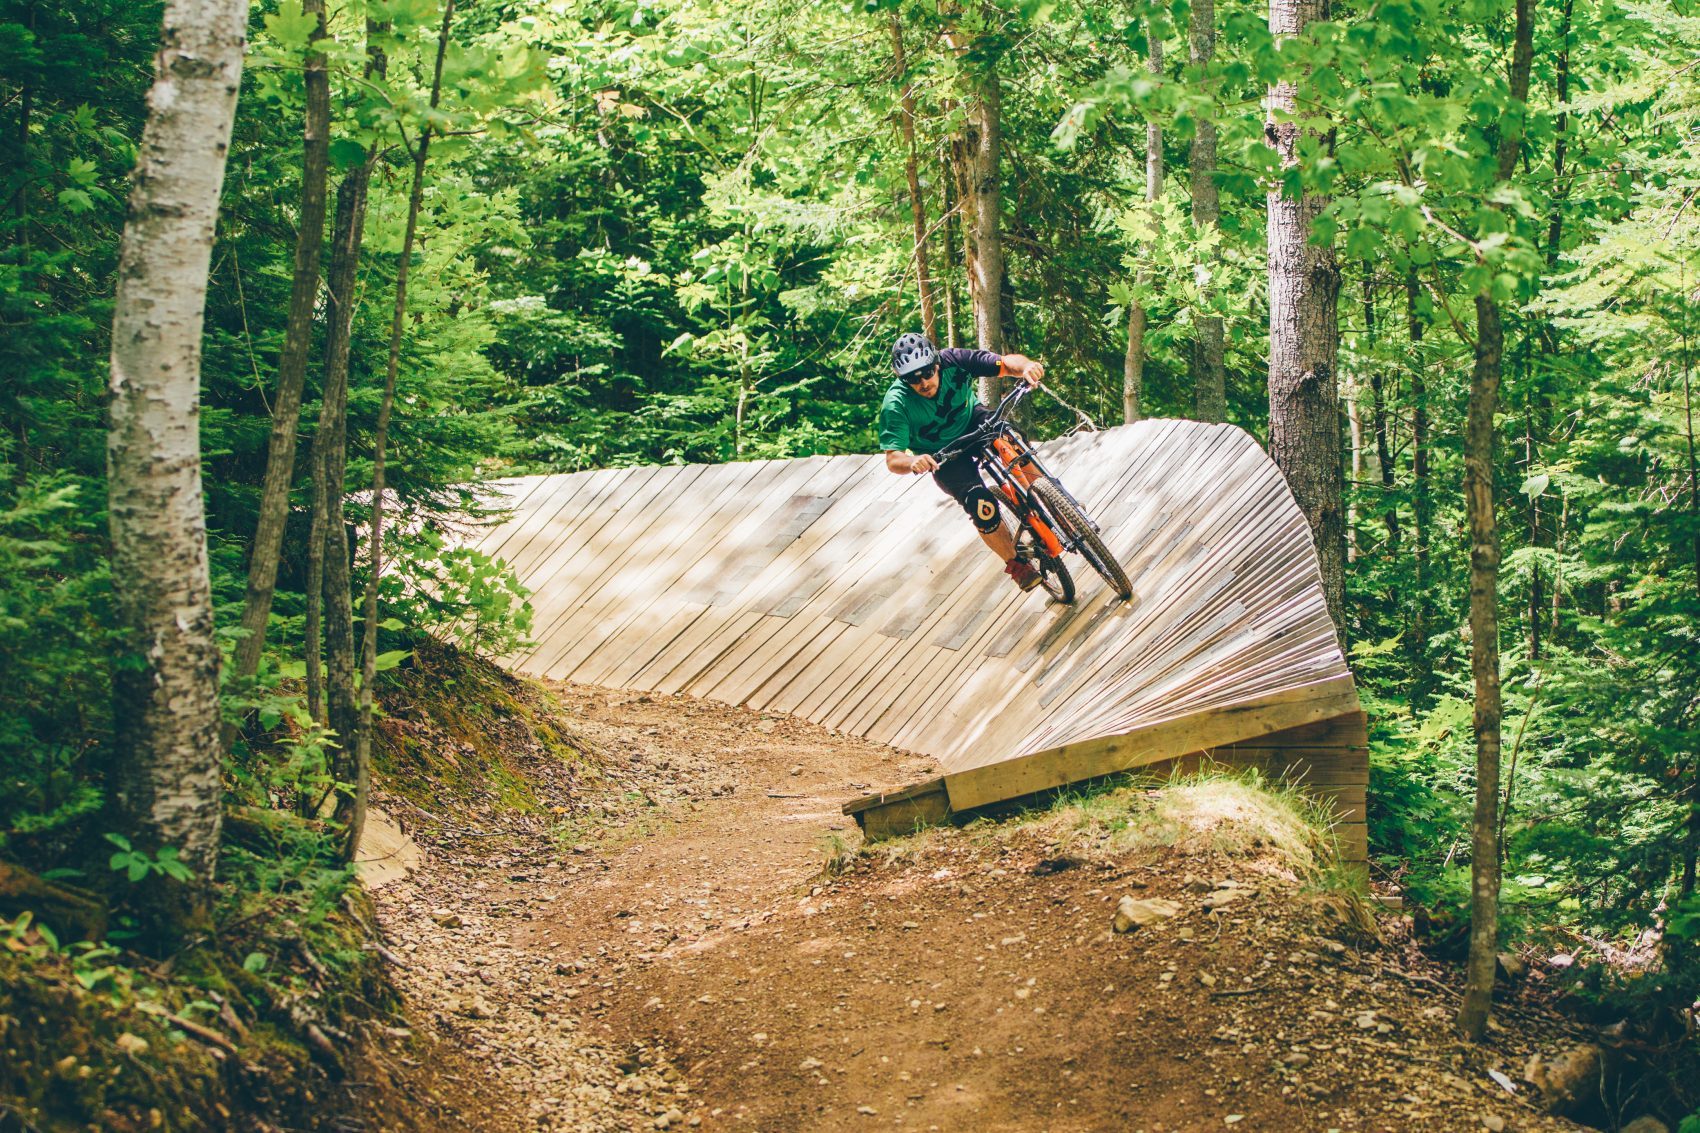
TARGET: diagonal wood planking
(830,589)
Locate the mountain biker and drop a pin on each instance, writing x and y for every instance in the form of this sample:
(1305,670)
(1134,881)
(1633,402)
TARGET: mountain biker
(930,403)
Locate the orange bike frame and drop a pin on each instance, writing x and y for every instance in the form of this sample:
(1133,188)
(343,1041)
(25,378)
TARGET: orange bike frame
(1021,470)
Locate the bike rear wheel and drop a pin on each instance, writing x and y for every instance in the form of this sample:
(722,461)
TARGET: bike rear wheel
(1090,543)
(1054,577)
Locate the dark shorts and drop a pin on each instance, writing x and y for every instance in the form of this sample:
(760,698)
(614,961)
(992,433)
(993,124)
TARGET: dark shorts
(959,478)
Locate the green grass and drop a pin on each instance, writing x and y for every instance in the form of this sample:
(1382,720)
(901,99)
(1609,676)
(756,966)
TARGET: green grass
(1218,812)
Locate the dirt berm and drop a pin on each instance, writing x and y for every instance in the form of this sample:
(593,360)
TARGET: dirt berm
(683,932)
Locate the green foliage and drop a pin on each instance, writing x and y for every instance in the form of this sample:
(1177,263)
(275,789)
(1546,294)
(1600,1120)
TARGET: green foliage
(55,641)
(136,865)
(459,595)
(683,232)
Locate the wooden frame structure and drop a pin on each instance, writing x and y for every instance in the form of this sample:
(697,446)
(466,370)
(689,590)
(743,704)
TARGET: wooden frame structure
(830,589)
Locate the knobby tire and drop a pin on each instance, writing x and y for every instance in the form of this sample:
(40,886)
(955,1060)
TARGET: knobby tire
(1054,578)
(1091,544)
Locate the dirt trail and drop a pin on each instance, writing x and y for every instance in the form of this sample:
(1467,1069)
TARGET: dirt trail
(688,966)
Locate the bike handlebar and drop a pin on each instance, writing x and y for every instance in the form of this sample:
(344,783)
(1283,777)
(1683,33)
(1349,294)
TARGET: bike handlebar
(977,436)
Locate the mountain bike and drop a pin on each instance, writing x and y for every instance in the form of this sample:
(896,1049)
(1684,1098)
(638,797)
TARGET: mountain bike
(1050,521)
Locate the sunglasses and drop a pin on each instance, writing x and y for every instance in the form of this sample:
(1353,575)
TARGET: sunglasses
(921,377)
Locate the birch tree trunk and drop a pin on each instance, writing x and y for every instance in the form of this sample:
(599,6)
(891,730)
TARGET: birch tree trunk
(1304,333)
(1133,364)
(1209,375)
(166,788)
(911,169)
(354,812)
(1484,582)
(292,363)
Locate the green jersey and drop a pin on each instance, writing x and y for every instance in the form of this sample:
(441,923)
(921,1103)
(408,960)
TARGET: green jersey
(912,423)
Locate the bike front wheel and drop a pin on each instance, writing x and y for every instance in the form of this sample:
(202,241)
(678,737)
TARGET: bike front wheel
(1090,544)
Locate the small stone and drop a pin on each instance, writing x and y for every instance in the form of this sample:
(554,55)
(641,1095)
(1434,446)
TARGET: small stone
(1511,966)
(1295,1059)
(1493,1123)
(131,1044)
(810,1064)
(1222,898)
(797,770)
(1132,912)
(1646,1123)
(867,1111)
(448,918)
(1207,979)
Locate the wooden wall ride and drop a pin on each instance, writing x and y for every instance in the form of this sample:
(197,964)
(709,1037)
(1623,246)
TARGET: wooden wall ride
(830,589)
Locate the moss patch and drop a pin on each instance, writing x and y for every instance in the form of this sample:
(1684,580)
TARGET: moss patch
(460,735)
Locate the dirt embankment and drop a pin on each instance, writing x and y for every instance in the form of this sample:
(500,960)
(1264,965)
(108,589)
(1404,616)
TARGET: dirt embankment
(662,947)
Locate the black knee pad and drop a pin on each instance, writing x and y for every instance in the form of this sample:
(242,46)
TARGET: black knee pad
(982,508)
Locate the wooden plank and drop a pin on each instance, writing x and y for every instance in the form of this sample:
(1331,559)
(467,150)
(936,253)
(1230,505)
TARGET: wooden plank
(902,812)
(615,555)
(580,553)
(621,637)
(1090,759)
(529,510)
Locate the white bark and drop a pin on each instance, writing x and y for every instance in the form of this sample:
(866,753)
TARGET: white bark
(166,775)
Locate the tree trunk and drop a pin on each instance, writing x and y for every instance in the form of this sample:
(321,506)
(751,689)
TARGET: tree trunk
(1484,586)
(1561,134)
(1133,365)
(354,814)
(1304,334)
(968,222)
(948,233)
(1419,494)
(166,786)
(1691,848)
(1379,420)
(20,195)
(1537,592)
(329,459)
(1484,667)
(1209,375)
(1355,434)
(292,363)
(911,169)
(985,155)
(327,543)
